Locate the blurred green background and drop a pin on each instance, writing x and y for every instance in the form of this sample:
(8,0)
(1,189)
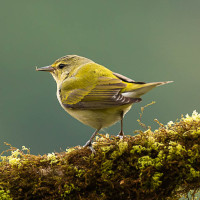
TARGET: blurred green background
(144,40)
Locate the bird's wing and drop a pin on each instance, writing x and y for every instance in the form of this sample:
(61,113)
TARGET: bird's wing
(126,79)
(94,90)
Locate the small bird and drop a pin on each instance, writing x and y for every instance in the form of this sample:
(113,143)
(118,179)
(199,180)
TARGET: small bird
(93,94)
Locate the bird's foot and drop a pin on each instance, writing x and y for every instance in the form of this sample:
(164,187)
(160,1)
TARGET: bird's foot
(89,144)
(120,135)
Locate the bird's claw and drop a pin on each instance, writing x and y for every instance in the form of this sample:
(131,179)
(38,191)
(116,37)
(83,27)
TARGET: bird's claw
(89,144)
(120,135)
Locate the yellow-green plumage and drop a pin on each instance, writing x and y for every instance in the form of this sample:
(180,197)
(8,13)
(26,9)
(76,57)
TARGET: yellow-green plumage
(92,93)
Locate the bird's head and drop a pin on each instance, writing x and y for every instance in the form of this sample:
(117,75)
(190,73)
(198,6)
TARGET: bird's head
(65,66)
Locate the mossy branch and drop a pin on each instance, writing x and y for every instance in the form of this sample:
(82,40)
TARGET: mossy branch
(163,164)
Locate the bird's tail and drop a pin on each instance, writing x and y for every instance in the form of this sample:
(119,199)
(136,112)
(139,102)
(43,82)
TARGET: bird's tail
(135,90)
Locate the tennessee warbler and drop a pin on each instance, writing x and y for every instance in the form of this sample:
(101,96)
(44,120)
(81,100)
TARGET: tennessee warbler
(93,94)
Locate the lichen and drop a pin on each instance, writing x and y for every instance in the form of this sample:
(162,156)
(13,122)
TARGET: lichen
(52,158)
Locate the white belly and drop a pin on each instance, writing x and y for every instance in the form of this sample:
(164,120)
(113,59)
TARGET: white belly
(99,118)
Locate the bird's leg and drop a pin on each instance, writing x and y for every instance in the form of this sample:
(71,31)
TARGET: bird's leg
(121,133)
(89,142)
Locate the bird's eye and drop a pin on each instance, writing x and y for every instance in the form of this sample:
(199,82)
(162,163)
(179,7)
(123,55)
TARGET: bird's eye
(60,66)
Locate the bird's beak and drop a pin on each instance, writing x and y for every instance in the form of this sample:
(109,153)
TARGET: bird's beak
(45,69)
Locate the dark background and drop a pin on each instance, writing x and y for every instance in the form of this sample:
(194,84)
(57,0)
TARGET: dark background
(144,40)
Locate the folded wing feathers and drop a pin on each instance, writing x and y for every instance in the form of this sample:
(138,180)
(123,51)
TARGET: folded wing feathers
(106,94)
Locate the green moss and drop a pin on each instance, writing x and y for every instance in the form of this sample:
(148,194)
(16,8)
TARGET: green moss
(69,189)
(4,195)
(137,149)
(194,173)
(163,164)
(145,161)
(122,147)
(156,180)
(106,149)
